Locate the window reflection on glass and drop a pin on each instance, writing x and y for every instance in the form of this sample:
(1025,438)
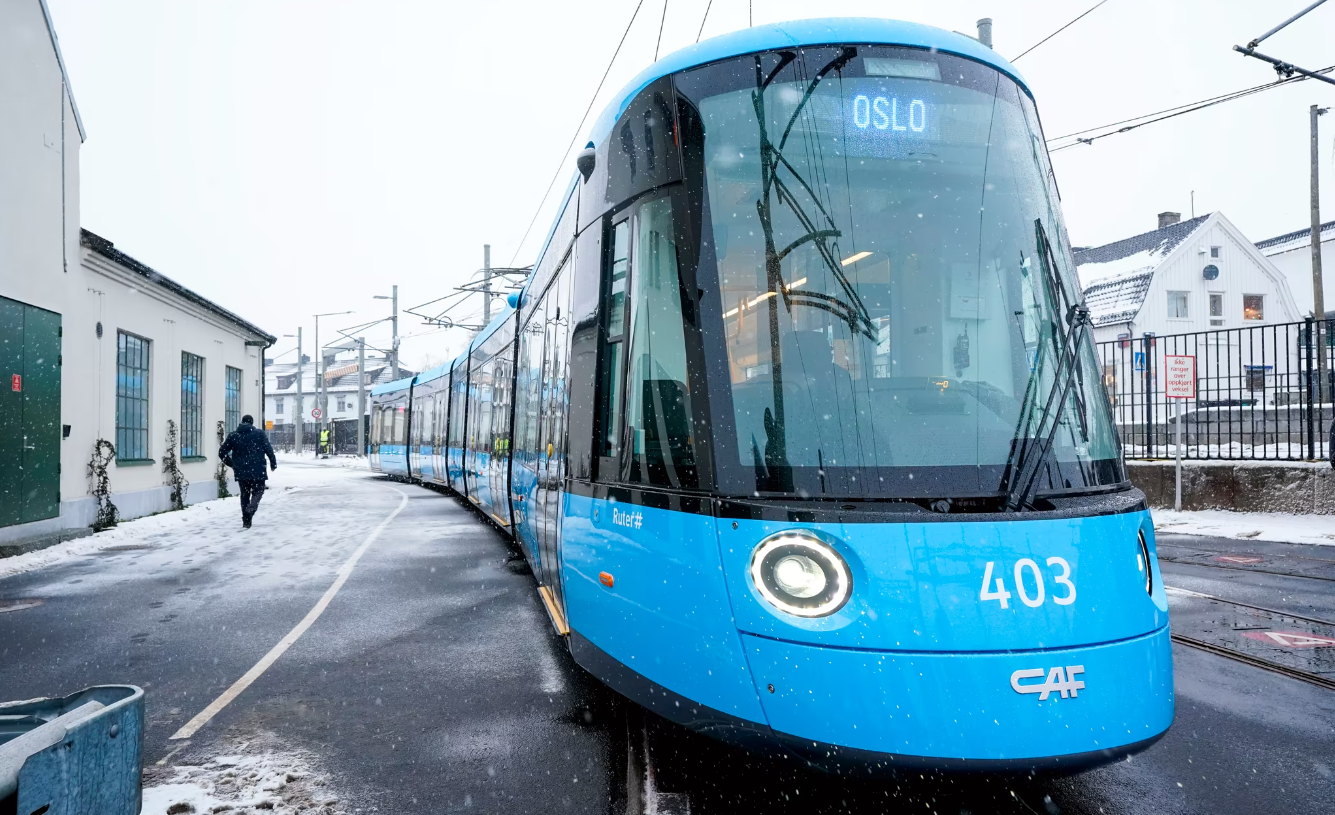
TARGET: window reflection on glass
(1216,305)
(618,277)
(658,401)
(1253,307)
(1177,305)
(891,264)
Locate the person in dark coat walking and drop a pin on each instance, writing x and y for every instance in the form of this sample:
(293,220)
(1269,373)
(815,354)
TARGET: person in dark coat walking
(244,451)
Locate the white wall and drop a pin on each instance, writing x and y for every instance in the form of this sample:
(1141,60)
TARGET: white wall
(123,300)
(39,142)
(1295,262)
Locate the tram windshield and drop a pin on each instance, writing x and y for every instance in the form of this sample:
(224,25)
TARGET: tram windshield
(883,231)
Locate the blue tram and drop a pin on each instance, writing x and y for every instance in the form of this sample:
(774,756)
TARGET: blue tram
(798,419)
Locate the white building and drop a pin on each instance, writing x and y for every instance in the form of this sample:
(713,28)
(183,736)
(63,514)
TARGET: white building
(1292,255)
(280,388)
(93,345)
(1196,275)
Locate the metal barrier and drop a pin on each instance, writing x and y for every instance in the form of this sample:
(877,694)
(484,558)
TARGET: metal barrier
(1258,393)
(80,755)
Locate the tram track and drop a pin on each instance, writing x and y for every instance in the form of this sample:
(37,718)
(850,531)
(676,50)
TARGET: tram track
(1249,659)
(1274,667)
(1251,569)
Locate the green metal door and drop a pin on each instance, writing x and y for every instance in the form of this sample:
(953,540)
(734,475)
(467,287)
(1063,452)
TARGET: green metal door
(29,413)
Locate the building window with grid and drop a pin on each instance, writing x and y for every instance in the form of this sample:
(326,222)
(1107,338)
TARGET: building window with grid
(192,412)
(278,406)
(1177,305)
(232,399)
(131,397)
(1253,307)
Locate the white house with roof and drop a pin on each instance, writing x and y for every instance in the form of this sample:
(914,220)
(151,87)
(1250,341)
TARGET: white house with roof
(1292,255)
(280,391)
(1196,275)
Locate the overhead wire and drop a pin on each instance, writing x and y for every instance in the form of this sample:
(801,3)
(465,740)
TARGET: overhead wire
(702,20)
(661,23)
(1058,31)
(578,129)
(1171,113)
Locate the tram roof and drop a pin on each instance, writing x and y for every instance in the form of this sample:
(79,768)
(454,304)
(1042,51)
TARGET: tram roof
(390,387)
(798,33)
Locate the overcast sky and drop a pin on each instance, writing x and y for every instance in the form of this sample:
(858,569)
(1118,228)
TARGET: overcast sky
(288,157)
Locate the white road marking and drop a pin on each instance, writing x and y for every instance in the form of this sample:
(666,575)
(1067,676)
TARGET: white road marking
(344,571)
(176,750)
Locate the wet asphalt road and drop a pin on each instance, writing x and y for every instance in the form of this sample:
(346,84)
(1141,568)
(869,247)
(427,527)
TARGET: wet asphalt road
(433,681)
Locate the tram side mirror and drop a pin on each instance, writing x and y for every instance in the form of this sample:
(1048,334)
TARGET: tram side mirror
(513,300)
(586,161)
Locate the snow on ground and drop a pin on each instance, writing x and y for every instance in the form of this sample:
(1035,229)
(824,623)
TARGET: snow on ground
(347,462)
(1266,526)
(255,778)
(282,482)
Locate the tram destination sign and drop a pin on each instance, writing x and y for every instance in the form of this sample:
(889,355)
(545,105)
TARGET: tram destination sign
(1180,376)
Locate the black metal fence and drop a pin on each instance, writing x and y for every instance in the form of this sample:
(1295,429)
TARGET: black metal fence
(283,437)
(1259,393)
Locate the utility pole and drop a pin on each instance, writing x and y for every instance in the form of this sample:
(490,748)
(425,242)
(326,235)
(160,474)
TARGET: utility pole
(321,387)
(319,357)
(395,319)
(301,408)
(1318,295)
(361,396)
(486,284)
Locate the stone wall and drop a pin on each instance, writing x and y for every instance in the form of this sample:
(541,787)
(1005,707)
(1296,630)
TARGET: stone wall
(1243,486)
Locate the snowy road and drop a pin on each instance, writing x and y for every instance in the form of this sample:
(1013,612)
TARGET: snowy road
(432,682)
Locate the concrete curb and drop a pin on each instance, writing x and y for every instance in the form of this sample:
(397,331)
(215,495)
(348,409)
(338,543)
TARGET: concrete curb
(25,545)
(1299,488)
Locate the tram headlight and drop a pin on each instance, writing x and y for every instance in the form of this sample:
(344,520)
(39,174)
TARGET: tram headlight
(801,575)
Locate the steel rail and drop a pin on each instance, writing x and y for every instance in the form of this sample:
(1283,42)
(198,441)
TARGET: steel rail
(1292,673)
(1288,614)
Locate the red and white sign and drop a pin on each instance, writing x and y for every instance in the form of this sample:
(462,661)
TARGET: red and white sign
(1239,559)
(16,383)
(316,413)
(1180,376)
(1290,639)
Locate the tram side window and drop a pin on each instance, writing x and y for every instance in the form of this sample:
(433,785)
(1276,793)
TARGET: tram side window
(615,303)
(397,435)
(375,425)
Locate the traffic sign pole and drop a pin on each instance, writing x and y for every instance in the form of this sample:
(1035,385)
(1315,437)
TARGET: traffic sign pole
(1180,384)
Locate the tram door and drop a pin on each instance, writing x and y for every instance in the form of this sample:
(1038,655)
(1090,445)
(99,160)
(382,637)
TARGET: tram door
(552,436)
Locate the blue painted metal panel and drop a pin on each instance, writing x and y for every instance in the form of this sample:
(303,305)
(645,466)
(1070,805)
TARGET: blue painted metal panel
(456,466)
(918,586)
(798,33)
(394,459)
(667,615)
(426,462)
(88,765)
(963,705)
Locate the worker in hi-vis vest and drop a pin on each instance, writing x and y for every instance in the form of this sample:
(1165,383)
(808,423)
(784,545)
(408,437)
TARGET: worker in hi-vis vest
(324,441)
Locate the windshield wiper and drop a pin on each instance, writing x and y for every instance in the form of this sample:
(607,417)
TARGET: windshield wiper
(1029,453)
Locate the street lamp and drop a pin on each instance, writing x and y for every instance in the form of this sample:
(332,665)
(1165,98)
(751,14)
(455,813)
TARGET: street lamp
(394,347)
(298,424)
(321,394)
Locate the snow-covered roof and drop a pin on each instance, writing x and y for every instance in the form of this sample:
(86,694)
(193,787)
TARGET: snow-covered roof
(1117,299)
(1116,276)
(1301,239)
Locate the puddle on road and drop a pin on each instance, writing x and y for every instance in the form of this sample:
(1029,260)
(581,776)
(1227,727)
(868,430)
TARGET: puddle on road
(1274,637)
(20,604)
